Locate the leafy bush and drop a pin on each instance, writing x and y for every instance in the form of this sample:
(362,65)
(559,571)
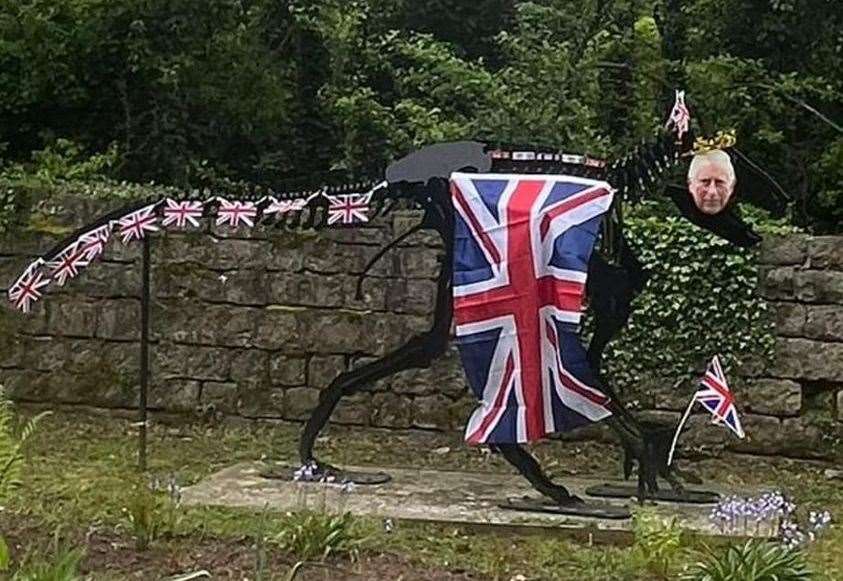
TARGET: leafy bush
(754,561)
(658,542)
(700,300)
(12,442)
(311,535)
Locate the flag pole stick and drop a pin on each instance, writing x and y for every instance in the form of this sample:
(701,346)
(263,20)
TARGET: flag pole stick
(144,356)
(679,430)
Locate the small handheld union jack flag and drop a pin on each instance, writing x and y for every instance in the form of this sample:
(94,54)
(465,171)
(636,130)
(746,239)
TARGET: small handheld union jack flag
(715,396)
(679,116)
(348,208)
(180,214)
(235,213)
(27,289)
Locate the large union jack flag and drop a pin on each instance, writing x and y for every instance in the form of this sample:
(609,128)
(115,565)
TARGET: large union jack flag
(715,396)
(521,254)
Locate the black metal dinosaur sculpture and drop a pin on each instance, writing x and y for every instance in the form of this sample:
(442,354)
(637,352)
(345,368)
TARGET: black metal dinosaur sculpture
(615,276)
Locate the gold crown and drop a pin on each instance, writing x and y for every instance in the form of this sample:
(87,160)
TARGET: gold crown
(722,140)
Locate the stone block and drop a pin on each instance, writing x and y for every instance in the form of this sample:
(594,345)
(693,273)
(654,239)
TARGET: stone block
(250,365)
(819,286)
(306,289)
(824,322)
(299,402)
(107,280)
(763,435)
(222,395)
(445,376)
(256,399)
(372,291)
(277,329)
(119,319)
(191,361)
(390,411)
(56,354)
(241,254)
(354,410)
(776,397)
(826,252)
(418,262)
(460,410)
(193,247)
(778,283)
(286,252)
(338,331)
(784,250)
(432,412)
(371,235)
(800,438)
(806,359)
(199,323)
(326,257)
(411,296)
(790,319)
(286,370)
(241,287)
(175,395)
(323,369)
(26,385)
(72,316)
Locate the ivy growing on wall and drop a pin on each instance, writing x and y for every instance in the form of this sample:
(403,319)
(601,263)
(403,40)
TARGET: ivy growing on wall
(701,300)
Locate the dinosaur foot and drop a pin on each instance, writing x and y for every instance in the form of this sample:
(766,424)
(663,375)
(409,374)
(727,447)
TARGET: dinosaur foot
(573,508)
(682,495)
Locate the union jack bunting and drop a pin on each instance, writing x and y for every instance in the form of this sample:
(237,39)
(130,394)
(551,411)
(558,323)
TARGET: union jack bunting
(137,224)
(522,248)
(348,208)
(715,396)
(180,214)
(277,206)
(27,289)
(69,262)
(679,115)
(92,244)
(236,212)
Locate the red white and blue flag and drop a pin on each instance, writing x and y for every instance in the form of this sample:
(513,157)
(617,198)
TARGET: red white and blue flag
(348,208)
(136,225)
(180,214)
(522,247)
(715,396)
(69,262)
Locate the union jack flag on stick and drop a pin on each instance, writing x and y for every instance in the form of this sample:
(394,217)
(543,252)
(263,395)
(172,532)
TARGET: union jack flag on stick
(715,396)
(679,117)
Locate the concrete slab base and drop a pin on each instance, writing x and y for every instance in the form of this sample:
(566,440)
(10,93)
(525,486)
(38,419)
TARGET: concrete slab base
(468,499)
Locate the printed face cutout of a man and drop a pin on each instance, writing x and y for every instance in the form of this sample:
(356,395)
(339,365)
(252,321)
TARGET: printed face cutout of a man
(711,181)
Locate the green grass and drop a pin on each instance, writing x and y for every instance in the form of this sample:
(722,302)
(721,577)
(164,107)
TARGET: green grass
(81,469)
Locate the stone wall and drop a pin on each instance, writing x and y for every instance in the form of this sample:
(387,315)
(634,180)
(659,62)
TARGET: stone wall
(251,323)
(255,323)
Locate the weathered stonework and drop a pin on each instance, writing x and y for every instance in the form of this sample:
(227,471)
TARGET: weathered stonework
(256,323)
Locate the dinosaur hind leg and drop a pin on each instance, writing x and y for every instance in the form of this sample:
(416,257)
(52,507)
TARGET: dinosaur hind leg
(418,352)
(530,469)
